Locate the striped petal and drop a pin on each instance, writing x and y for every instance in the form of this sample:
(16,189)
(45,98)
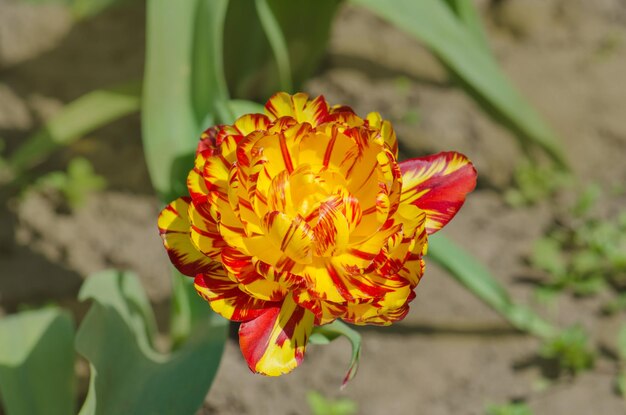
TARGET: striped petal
(174,227)
(274,342)
(386,131)
(438,185)
(226,298)
(297,106)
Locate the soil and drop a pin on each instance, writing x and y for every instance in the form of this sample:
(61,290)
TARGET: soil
(452,354)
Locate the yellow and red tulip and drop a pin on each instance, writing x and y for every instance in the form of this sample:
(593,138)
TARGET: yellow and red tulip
(303,215)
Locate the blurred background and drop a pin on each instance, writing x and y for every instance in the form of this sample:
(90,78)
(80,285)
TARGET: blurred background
(557,243)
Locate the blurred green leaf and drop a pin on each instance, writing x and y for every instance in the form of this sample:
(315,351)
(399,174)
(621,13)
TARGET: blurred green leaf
(277,42)
(434,23)
(127,375)
(320,405)
(37,363)
(587,200)
(209,90)
(87,113)
(467,13)
(547,255)
(305,27)
(514,408)
(76,184)
(570,350)
(327,333)
(475,277)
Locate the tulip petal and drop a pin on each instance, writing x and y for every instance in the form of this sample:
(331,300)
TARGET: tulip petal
(274,342)
(226,298)
(175,228)
(438,185)
(204,233)
(297,106)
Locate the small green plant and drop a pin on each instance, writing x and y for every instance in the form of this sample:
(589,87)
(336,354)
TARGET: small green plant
(320,405)
(584,253)
(75,185)
(534,182)
(513,408)
(569,350)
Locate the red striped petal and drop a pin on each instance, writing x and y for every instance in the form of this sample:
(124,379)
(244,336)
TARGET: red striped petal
(174,227)
(274,342)
(226,298)
(297,106)
(438,185)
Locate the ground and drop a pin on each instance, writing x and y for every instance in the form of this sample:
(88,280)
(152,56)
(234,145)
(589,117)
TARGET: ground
(452,354)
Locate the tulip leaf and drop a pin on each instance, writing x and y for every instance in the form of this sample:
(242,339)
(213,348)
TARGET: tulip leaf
(277,42)
(37,363)
(329,332)
(474,276)
(87,113)
(455,44)
(467,13)
(127,375)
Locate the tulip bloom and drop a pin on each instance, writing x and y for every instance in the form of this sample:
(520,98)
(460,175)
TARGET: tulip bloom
(303,215)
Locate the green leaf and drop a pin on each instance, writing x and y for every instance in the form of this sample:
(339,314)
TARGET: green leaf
(514,408)
(209,89)
(467,13)
(325,334)
(37,363)
(475,277)
(547,255)
(127,375)
(321,405)
(570,349)
(305,27)
(435,24)
(277,42)
(80,117)
(172,110)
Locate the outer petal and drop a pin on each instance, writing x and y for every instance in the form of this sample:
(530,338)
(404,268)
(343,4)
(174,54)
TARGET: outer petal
(174,228)
(226,298)
(438,185)
(274,342)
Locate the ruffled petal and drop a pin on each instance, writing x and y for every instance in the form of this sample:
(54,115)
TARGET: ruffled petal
(274,342)
(226,298)
(438,185)
(297,106)
(174,227)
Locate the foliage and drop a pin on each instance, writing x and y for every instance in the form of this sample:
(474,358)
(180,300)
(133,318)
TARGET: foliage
(321,405)
(584,254)
(132,377)
(569,350)
(329,332)
(75,185)
(534,182)
(37,363)
(514,408)
(620,381)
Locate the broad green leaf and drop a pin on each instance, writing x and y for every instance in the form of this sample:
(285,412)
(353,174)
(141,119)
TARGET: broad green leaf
(327,333)
(87,113)
(127,375)
(170,127)
(277,42)
(474,276)
(209,89)
(251,68)
(37,363)
(435,24)
(467,13)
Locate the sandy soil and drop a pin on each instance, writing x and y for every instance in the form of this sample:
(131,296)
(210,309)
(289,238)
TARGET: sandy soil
(452,354)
